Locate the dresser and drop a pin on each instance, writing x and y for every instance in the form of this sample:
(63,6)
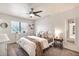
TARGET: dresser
(3,44)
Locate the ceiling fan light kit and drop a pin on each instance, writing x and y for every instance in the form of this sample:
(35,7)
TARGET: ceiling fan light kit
(31,15)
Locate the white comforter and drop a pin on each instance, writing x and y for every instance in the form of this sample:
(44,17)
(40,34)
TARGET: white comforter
(43,41)
(27,45)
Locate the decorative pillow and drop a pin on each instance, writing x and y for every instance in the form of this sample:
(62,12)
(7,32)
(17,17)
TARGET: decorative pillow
(51,36)
(45,34)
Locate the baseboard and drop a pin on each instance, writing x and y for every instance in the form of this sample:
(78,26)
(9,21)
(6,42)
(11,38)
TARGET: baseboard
(72,50)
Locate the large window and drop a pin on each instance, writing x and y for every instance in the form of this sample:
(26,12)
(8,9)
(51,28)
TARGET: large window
(18,26)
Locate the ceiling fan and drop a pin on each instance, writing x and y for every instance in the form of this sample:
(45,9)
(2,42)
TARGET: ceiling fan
(34,13)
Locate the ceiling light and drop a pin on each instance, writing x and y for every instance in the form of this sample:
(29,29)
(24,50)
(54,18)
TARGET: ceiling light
(31,15)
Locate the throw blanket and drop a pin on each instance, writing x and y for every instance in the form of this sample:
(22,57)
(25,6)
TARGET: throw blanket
(39,50)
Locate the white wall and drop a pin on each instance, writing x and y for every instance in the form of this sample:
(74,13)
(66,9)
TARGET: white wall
(45,24)
(49,23)
(7,19)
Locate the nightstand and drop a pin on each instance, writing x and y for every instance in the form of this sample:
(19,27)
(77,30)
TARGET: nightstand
(58,42)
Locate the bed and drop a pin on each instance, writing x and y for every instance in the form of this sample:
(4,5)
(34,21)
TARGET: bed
(33,45)
(43,41)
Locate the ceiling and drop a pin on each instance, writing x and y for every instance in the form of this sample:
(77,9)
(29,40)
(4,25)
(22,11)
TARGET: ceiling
(21,9)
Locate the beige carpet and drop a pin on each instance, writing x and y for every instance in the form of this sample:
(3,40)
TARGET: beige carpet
(15,50)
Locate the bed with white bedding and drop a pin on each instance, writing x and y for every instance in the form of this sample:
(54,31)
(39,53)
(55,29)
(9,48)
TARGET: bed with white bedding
(43,41)
(33,45)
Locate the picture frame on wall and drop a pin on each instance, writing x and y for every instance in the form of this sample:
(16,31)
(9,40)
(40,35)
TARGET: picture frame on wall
(3,25)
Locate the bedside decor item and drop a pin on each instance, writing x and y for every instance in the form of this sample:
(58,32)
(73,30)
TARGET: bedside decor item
(58,33)
(3,25)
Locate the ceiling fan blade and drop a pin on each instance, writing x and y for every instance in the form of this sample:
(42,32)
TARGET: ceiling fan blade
(38,11)
(37,15)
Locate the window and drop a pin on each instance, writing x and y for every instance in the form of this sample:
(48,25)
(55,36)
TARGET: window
(14,26)
(24,27)
(18,27)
